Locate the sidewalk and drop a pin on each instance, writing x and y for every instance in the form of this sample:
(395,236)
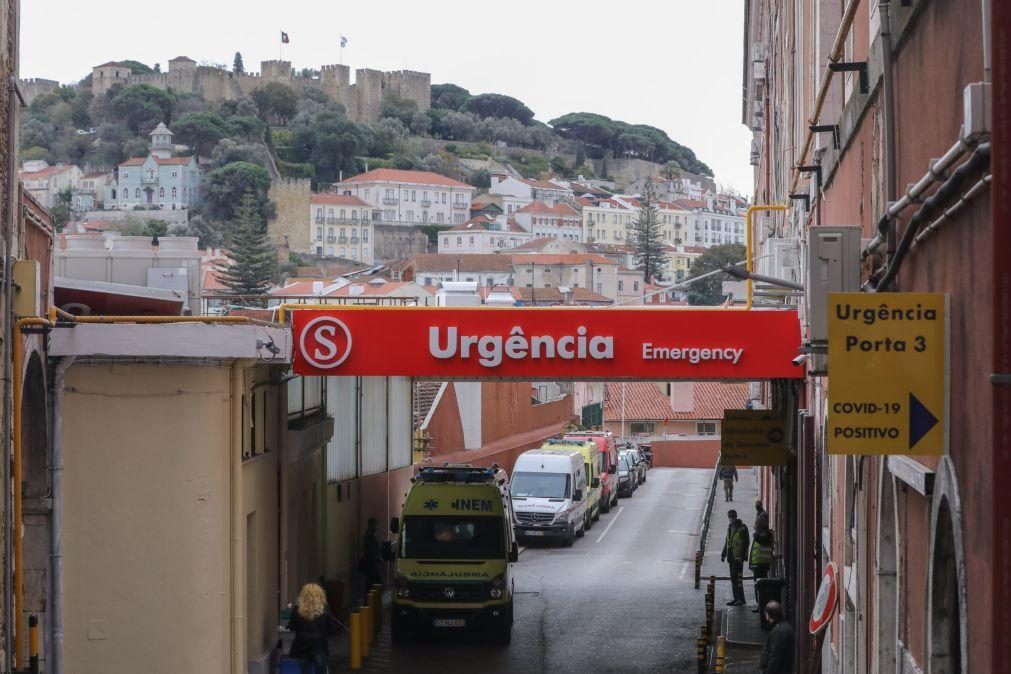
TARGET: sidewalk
(738,624)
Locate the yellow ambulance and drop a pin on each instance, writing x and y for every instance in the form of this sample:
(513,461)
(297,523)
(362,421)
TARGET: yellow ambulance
(454,549)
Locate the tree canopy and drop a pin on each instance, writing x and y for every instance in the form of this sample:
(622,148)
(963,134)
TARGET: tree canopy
(276,102)
(603,135)
(449,96)
(225,188)
(200,130)
(498,105)
(142,106)
(253,263)
(709,291)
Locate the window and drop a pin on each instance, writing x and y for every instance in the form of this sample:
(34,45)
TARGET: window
(342,215)
(136,193)
(319,232)
(365,234)
(354,232)
(443,197)
(175,174)
(410,216)
(705,428)
(459,240)
(472,240)
(621,286)
(641,427)
(161,192)
(175,192)
(445,241)
(126,174)
(414,195)
(635,286)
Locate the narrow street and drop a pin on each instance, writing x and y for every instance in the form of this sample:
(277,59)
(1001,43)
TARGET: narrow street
(620,600)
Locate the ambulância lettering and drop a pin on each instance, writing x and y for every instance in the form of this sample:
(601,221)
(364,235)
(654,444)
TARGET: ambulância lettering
(491,349)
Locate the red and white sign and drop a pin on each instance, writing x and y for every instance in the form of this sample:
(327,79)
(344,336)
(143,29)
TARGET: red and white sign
(825,602)
(547,343)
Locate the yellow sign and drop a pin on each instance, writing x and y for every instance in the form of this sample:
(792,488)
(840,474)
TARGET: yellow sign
(753,438)
(888,373)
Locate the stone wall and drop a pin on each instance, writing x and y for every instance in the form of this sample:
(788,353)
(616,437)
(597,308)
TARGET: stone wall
(363,100)
(35,87)
(289,229)
(397,242)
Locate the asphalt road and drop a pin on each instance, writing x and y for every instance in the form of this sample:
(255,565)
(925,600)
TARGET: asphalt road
(619,600)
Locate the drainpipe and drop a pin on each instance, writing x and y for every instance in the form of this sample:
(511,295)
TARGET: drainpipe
(56,535)
(238,636)
(884,11)
(8,339)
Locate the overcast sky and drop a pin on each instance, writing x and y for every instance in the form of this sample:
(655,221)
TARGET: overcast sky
(674,64)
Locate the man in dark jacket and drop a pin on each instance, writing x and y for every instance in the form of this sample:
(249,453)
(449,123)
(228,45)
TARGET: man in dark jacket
(371,557)
(729,475)
(777,656)
(735,551)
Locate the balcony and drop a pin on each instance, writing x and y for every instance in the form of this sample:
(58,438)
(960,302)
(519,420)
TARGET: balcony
(425,203)
(460,205)
(331,220)
(355,240)
(331,238)
(342,240)
(319,220)
(391,201)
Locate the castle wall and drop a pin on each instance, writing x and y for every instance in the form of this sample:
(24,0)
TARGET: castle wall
(36,86)
(291,196)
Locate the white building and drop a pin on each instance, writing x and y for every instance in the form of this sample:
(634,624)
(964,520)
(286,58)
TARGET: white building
(340,226)
(45,182)
(558,221)
(410,197)
(713,221)
(482,235)
(519,192)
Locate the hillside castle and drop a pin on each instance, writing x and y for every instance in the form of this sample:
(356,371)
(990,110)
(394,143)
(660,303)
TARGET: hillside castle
(363,100)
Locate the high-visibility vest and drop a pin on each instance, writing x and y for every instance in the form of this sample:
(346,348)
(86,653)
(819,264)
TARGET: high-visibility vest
(761,549)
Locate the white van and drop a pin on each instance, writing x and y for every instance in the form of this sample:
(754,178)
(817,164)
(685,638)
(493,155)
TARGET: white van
(549,494)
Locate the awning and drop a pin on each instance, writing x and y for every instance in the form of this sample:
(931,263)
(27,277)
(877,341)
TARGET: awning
(98,298)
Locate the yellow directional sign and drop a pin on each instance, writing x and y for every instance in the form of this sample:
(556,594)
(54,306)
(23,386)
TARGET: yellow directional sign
(888,373)
(753,438)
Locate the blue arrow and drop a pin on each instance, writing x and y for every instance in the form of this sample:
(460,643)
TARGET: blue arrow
(920,420)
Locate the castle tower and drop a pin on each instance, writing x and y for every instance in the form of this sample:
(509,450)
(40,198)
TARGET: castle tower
(161,141)
(275,71)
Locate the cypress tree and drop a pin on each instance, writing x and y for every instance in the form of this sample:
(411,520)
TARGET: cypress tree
(253,260)
(647,239)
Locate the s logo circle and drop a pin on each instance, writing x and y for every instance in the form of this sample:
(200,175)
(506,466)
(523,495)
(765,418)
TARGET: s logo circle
(325,342)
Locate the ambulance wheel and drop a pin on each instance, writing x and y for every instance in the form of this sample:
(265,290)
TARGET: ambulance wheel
(596,515)
(570,537)
(582,530)
(606,507)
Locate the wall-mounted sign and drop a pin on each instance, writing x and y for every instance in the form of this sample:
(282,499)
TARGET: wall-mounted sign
(547,343)
(888,373)
(753,438)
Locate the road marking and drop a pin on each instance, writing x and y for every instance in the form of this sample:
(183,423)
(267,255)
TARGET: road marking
(679,531)
(611,523)
(684,570)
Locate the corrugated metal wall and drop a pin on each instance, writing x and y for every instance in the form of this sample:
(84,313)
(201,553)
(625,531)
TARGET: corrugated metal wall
(400,421)
(373,416)
(342,406)
(372,425)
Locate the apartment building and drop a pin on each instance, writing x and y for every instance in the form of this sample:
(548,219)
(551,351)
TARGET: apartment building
(45,182)
(409,198)
(340,225)
(558,221)
(517,192)
(483,235)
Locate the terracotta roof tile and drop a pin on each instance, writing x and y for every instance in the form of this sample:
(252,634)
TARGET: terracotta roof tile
(401,176)
(645,401)
(329,198)
(572,258)
(466,262)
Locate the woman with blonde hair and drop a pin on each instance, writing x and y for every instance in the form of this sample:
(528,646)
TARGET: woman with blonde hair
(311,622)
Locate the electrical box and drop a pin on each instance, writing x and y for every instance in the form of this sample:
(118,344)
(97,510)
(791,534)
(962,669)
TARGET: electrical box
(27,286)
(833,266)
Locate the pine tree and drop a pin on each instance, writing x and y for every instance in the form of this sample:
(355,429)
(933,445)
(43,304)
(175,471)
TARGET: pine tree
(237,66)
(253,260)
(647,239)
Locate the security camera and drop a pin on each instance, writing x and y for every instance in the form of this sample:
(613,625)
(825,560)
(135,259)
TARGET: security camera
(800,360)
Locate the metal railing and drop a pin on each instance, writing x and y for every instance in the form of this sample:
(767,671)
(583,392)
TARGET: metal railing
(700,555)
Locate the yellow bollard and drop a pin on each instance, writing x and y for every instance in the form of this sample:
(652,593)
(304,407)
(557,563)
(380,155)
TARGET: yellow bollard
(366,630)
(33,644)
(700,647)
(356,641)
(721,653)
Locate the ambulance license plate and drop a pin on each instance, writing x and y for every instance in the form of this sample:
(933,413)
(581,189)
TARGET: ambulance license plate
(449,622)
(534,532)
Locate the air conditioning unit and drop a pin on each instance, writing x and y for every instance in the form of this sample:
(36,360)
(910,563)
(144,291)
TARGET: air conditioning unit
(833,266)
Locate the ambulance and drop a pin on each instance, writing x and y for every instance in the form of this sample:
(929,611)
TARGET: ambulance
(454,548)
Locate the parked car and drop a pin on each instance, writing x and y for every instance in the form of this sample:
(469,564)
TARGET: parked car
(639,466)
(627,476)
(647,453)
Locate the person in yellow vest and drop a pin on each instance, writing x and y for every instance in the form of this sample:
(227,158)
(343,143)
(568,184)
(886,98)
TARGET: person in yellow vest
(735,549)
(760,556)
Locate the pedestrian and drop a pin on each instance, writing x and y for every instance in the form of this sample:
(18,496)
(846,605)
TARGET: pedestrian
(371,557)
(735,549)
(729,475)
(312,624)
(760,512)
(777,655)
(760,557)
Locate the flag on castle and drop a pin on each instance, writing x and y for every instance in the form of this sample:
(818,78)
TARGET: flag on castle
(284,38)
(344,42)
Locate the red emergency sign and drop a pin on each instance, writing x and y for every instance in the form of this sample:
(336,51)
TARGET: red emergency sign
(570,343)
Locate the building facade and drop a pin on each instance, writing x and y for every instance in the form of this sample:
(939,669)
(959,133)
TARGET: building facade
(45,182)
(158,181)
(920,541)
(482,235)
(517,192)
(340,225)
(410,198)
(559,221)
